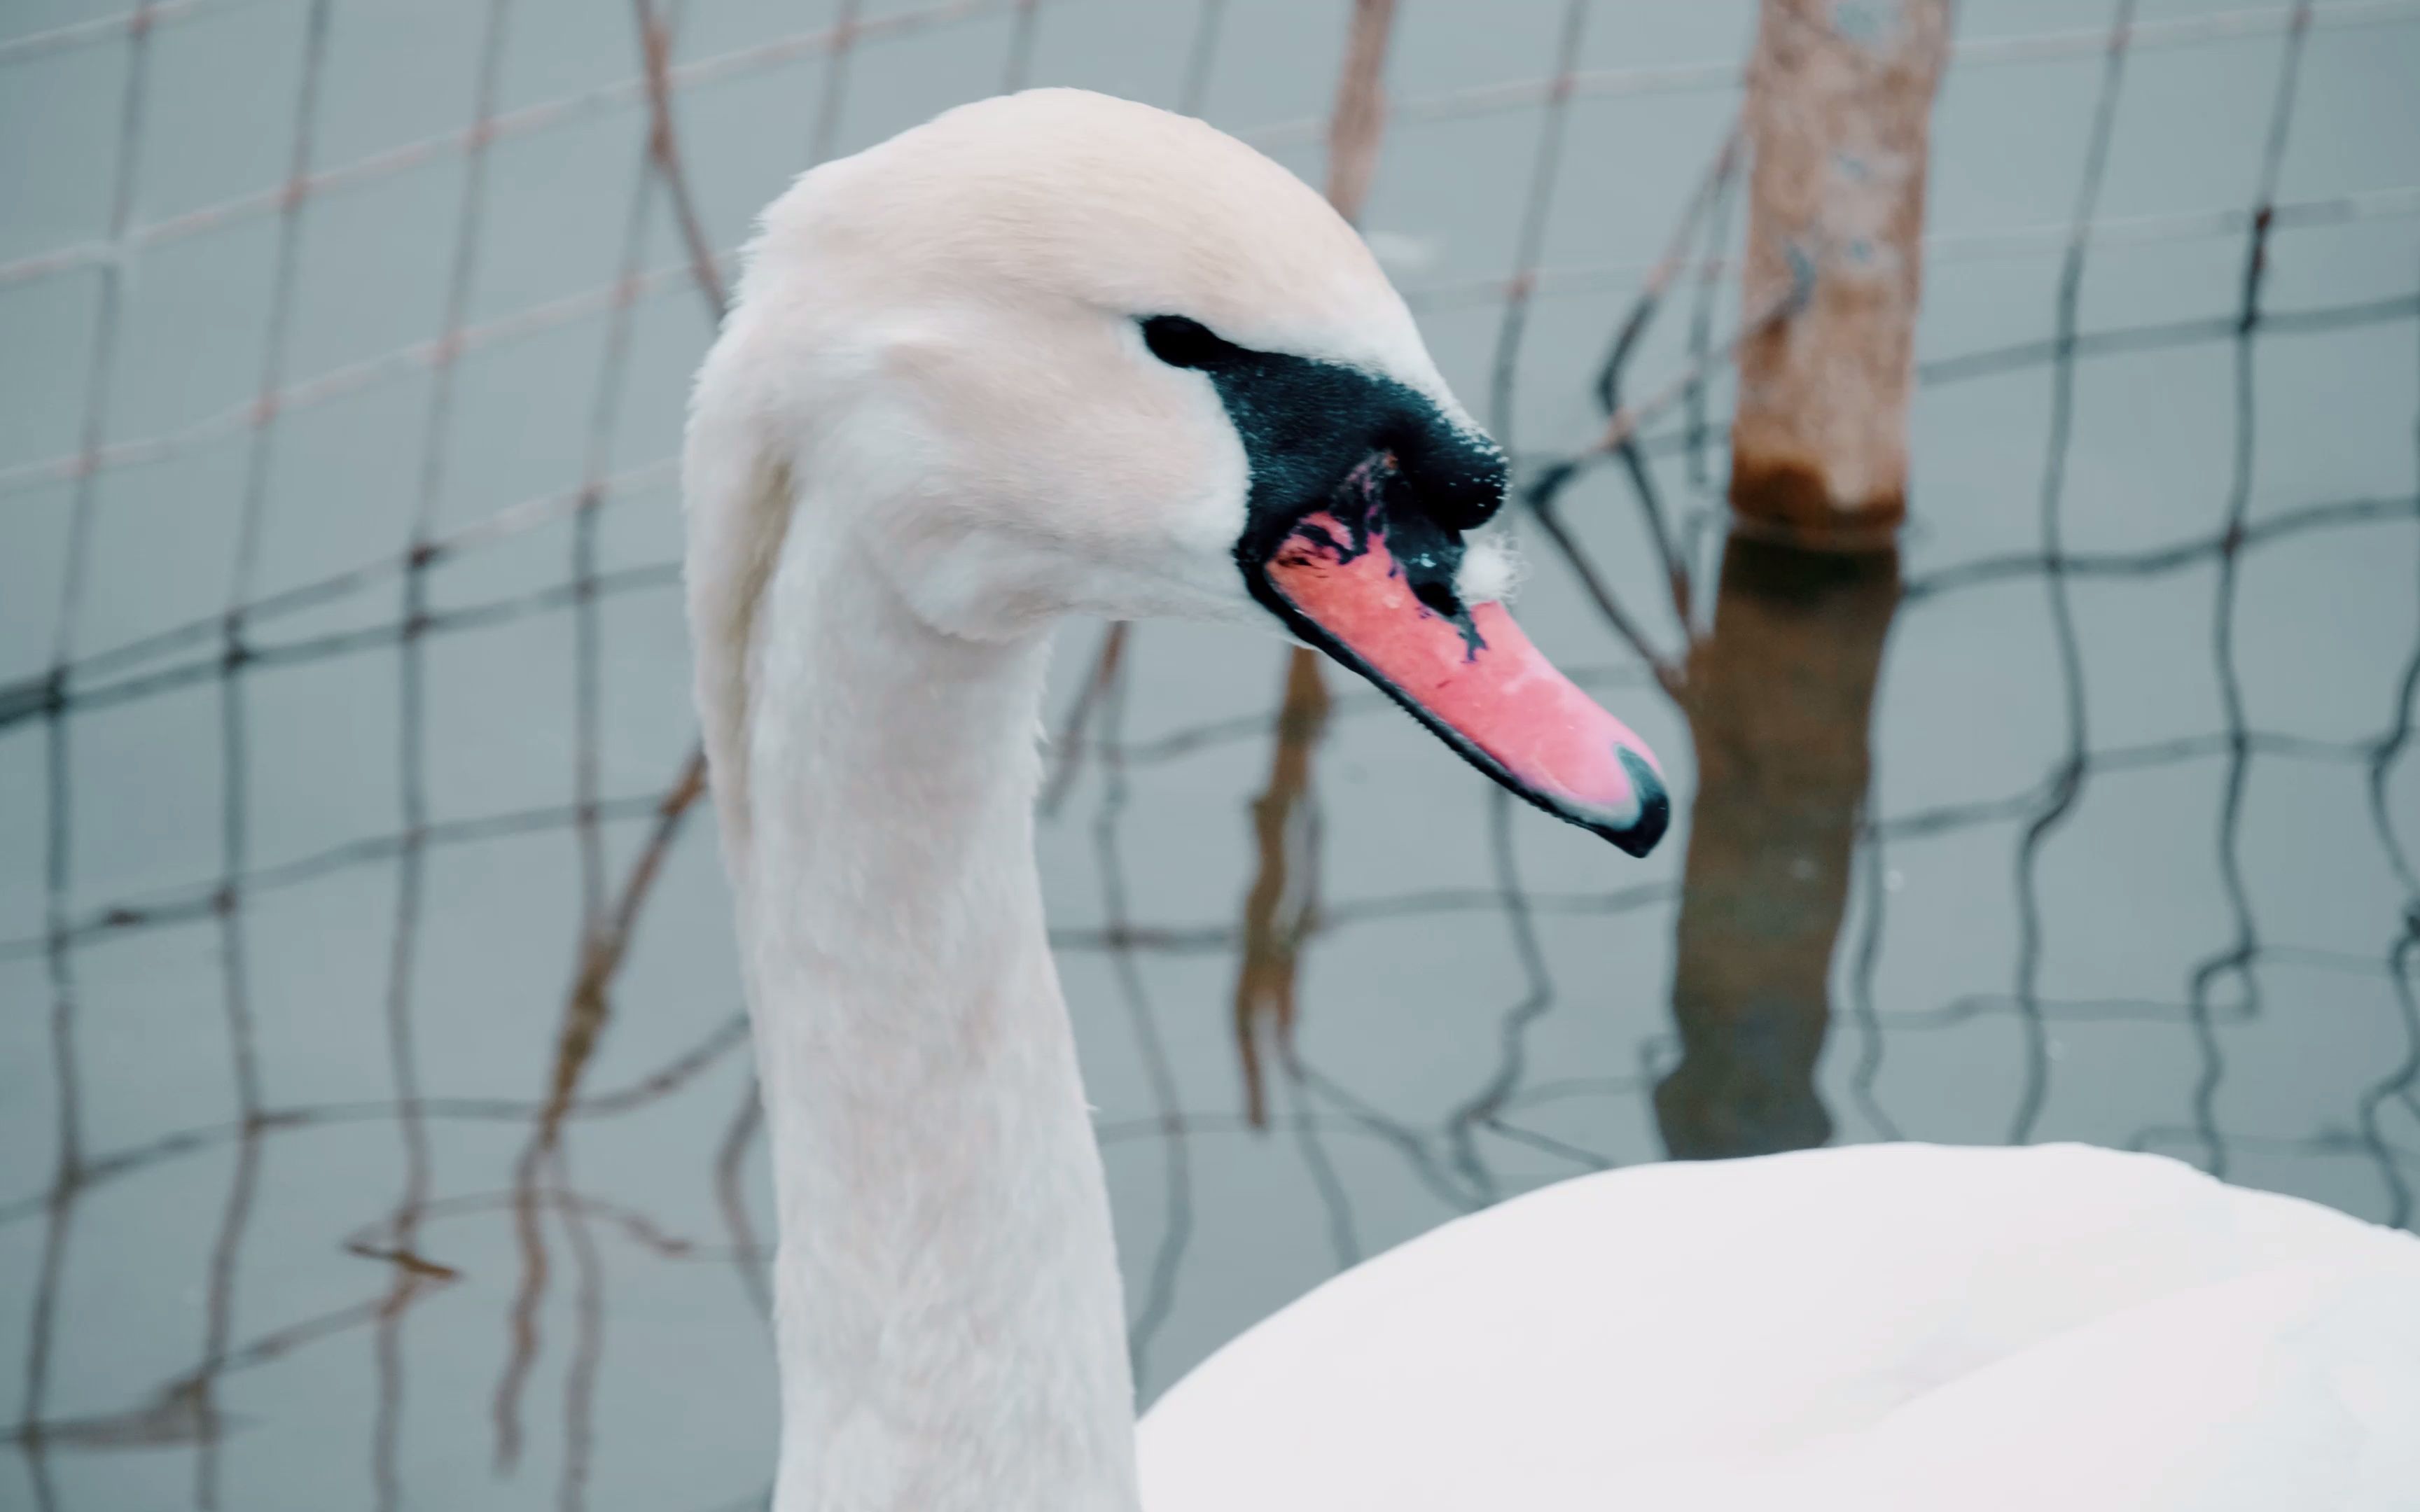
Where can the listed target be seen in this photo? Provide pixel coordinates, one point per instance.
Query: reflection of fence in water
(1753, 991)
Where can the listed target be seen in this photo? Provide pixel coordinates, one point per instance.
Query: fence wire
(1509, 1108)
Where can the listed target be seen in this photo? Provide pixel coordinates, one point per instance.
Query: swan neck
(950, 1328)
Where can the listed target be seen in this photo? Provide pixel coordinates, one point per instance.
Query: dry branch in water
(588, 1006)
(1280, 903)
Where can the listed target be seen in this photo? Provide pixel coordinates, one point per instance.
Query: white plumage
(1879, 1327)
(930, 430)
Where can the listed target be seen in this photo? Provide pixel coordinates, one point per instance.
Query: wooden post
(1779, 695)
(1840, 97)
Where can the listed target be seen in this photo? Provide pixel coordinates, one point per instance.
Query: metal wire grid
(1316, 1106)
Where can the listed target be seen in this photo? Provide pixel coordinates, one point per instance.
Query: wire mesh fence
(378, 1119)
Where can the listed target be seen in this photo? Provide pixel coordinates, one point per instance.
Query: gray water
(281, 1221)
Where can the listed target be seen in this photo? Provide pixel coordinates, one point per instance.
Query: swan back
(1889, 1326)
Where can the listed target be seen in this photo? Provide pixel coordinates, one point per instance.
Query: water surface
(339, 1171)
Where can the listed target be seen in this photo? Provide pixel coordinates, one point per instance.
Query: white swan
(1057, 353)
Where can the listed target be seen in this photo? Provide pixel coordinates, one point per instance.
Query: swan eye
(1183, 343)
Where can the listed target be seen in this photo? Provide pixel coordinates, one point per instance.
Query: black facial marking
(1439, 597)
(1306, 425)
(1382, 460)
(1376, 500)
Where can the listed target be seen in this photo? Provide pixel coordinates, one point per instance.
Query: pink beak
(1472, 678)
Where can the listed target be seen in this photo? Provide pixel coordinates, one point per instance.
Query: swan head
(1057, 352)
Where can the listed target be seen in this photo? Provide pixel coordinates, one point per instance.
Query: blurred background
(376, 1121)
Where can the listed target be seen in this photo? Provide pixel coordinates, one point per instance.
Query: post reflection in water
(1780, 697)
